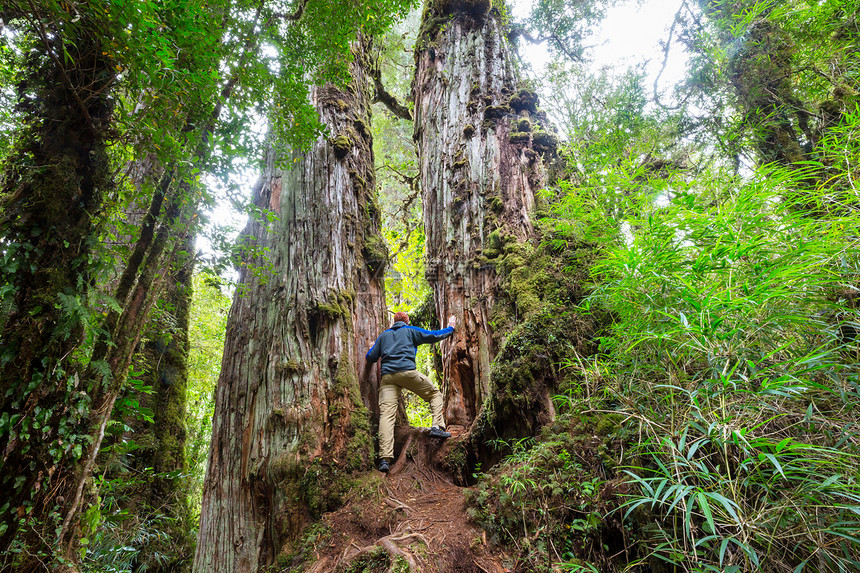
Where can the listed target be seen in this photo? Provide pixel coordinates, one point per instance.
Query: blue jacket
(397, 345)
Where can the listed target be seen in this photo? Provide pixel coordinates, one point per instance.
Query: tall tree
(478, 138)
(788, 68)
(188, 73)
(293, 404)
(51, 198)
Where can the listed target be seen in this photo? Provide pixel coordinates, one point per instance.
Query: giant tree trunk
(479, 170)
(293, 404)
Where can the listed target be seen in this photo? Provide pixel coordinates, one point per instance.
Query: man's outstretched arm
(421, 336)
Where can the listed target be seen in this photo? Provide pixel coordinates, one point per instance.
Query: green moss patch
(519, 137)
(341, 145)
(432, 23)
(497, 112)
(375, 253)
(524, 100)
(541, 283)
(315, 536)
(559, 489)
(477, 9)
(337, 305)
(545, 142)
(362, 129)
(376, 561)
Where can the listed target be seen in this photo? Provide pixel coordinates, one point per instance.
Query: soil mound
(412, 519)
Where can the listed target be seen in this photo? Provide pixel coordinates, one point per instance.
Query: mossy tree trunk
(65, 351)
(479, 139)
(50, 203)
(761, 75)
(162, 497)
(294, 403)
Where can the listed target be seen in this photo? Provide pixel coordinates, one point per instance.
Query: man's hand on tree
(452, 321)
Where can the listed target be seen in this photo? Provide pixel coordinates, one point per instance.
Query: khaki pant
(389, 396)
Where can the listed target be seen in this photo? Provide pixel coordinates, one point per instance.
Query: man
(396, 349)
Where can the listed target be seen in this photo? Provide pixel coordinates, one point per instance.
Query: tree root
(395, 504)
(389, 543)
(401, 459)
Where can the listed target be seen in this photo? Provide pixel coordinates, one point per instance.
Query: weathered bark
(294, 402)
(477, 136)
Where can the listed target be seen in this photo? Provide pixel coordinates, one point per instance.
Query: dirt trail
(413, 519)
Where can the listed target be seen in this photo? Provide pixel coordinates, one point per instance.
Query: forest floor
(412, 519)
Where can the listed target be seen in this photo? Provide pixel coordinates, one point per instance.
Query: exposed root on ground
(389, 543)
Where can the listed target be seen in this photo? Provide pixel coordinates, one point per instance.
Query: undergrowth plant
(731, 357)
(728, 359)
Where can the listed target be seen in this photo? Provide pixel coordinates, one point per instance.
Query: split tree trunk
(479, 171)
(294, 403)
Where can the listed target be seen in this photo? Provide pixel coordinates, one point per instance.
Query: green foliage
(176, 84)
(562, 25)
(123, 543)
(727, 358)
(314, 536)
(208, 324)
(405, 286)
(728, 371)
(762, 63)
(373, 561)
(725, 354)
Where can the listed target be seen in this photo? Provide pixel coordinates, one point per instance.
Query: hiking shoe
(437, 432)
(383, 466)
